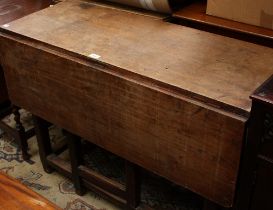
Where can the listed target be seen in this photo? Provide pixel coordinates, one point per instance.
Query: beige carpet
(157, 193)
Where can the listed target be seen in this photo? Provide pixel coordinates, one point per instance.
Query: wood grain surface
(201, 64)
(188, 142)
(11, 10)
(16, 196)
(171, 99)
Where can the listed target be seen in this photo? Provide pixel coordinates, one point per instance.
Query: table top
(215, 69)
(16, 196)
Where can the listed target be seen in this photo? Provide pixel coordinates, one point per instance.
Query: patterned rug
(157, 193)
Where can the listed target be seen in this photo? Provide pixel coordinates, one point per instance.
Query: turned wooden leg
(21, 137)
(43, 139)
(133, 184)
(74, 145)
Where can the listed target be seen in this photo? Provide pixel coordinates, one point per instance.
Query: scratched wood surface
(189, 143)
(171, 99)
(210, 66)
(11, 10)
(16, 196)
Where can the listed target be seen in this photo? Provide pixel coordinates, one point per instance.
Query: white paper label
(95, 56)
(5, 25)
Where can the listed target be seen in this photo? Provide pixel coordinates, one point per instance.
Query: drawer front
(188, 143)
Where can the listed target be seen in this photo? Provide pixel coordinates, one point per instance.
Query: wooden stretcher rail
(107, 183)
(60, 165)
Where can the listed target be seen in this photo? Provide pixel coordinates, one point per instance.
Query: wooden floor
(15, 196)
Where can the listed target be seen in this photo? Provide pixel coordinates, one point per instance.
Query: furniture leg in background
(19, 133)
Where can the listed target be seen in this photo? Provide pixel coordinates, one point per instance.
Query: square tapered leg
(43, 139)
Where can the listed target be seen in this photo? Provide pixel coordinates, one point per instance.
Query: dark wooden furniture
(19, 133)
(255, 187)
(16, 196)
(194, 15)
(127, 196)
(11, 10)
(256, 182)
(171, 99)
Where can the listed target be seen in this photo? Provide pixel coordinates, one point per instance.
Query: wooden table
(16, 196)
(168, 98)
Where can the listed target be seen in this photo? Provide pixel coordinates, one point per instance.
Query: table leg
(133, 184)
(20, 137)
(74, 145)
(43, 139)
